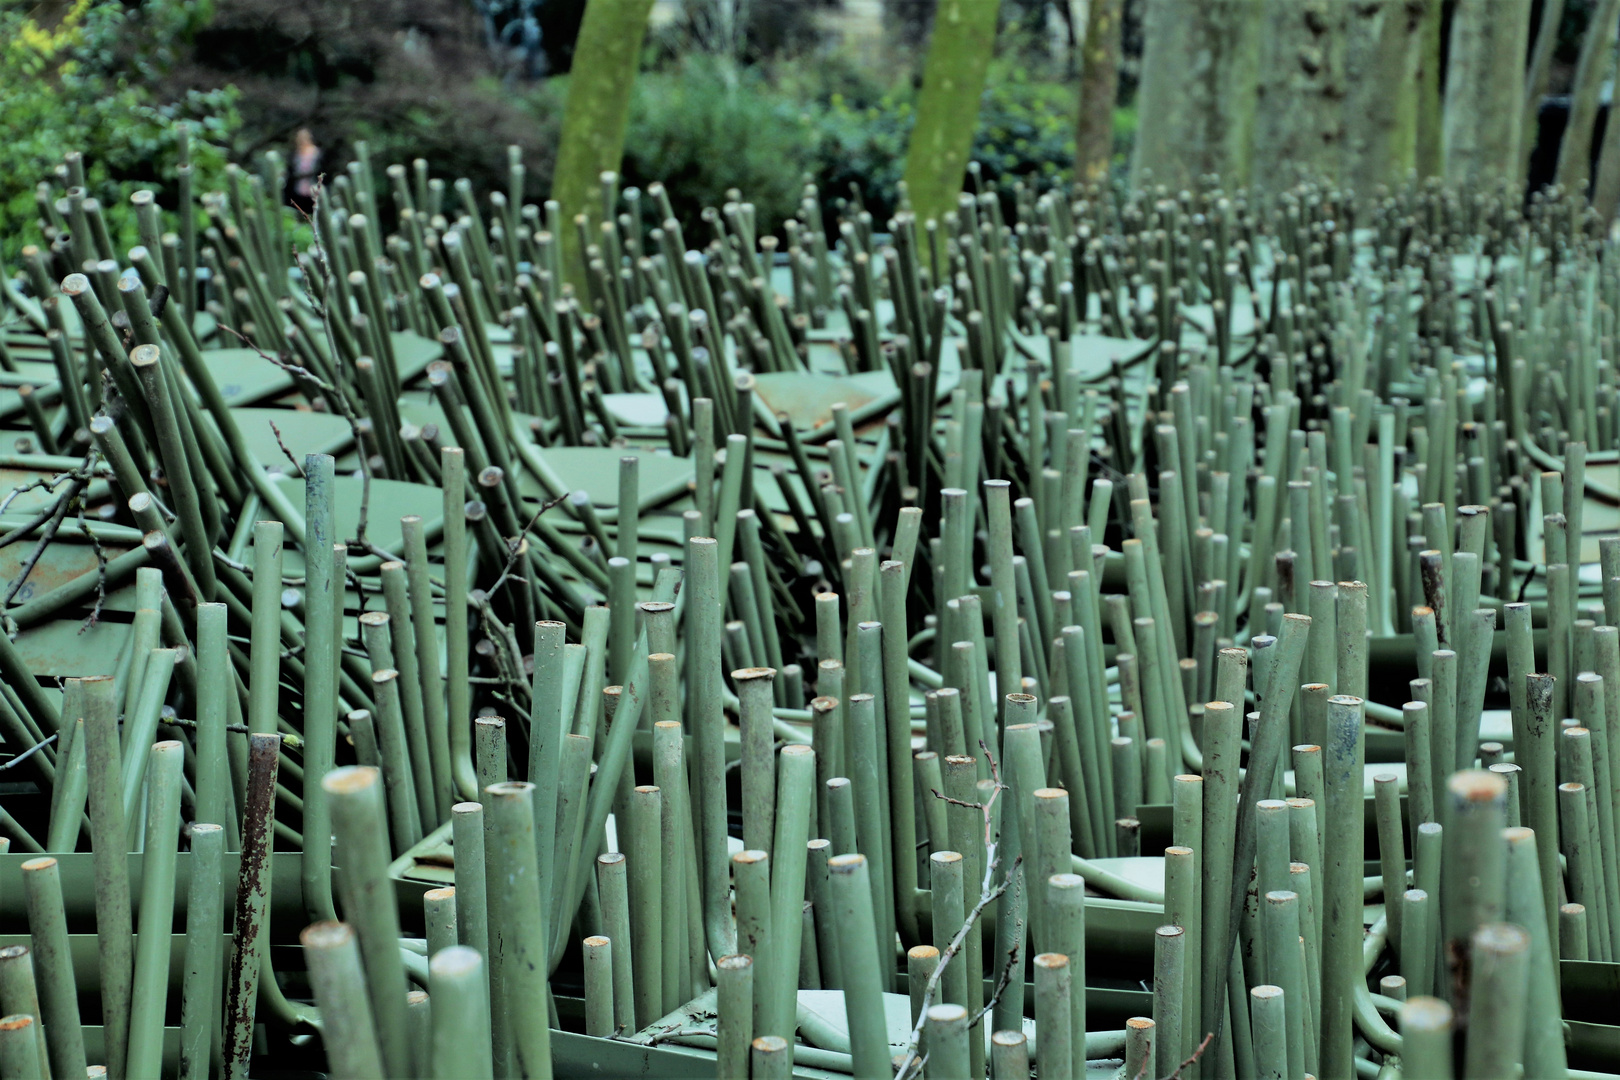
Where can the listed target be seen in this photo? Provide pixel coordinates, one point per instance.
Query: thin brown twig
(995, 792)
(292, 742)
(335, 395)
(514, 544)
(58, 512)
(101, 573)
(296, 370)
(22, 531)
(510, 657)
(956, 943)
(1001, 985)
(297, 471)
(39, 548)
(365, 483)
(290, 580)
(1197, 1053)
(48, 483)
(987, 895)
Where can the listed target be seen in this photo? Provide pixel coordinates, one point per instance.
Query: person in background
(306, 167)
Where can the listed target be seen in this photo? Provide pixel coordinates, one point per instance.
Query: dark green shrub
(1026, 127)
(704, 127)
(1025, 132)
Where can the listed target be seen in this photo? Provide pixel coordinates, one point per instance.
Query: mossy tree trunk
(1099, 88)
(1597, 51)
(1537, 78)
(1606, 191)
(1299, 114)
(607, 55)
(1196, 104)
(1485, 91)
(959, 51)
(1383, 46)
(1430, 79)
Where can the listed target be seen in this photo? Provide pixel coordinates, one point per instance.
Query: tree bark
(606, 58)
(1200, 64)
(1597, 49)
(1099, 88)
(1429, 78)
(1299, 113)
(1537, 78)
(1485, 91)
(1606, 191)
(1383, 54)
(959, 52)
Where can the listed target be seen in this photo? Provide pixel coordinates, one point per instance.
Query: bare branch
(1196, 1054)
(514, 545)
(295, 370)
(988, 894)
(1001, 984)
(298, 472)
(64, 502)
(101, 573)
(956, 802)
(507, 654)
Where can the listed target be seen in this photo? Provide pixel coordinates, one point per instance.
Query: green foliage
(86, 84)
(1025, 132)
(1026, 128)
(865, 146)
(706, 126)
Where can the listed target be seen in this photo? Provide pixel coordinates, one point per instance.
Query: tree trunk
(1099, 87)
(1196, 104)
(959, 54)
(1597, 49)
(1606, 191)
(1606, 196)
(1383, 46)
(1299, 114)
(1430, 79)
(1536, 79)
(1485, 91)
(606, 57)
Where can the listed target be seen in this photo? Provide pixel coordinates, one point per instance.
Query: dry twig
(987, 895)
(1197, 1053)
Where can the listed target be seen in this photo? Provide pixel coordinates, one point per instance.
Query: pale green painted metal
(340, 989)
(1173, 595)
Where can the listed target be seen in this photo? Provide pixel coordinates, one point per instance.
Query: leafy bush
(1025, 132)
(704, 127)
(1026, 127)
(86, 83)
(865, 147)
